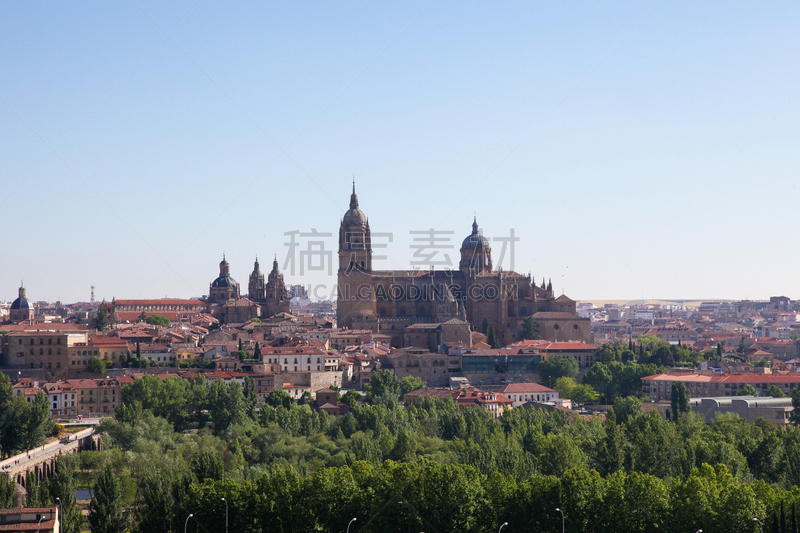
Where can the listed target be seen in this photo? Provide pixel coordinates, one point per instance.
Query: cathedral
(400, 303)
(263, 299)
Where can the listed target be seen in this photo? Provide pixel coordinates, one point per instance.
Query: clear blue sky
(641, 149)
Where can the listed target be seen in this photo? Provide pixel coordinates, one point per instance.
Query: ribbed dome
(22, 303)
(224, 281)
(354, 217)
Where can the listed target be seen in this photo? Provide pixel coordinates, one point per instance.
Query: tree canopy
(557, 367)
(158, 320)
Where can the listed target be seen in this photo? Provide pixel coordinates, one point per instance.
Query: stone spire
(353, 197)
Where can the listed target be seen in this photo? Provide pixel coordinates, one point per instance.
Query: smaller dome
(224, 281)
(22, 303)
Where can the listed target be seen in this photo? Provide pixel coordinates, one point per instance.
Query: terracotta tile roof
(553, 316)
(161, 302)
(524, 388)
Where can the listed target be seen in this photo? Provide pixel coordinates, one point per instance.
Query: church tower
(21, 309)
(355, 245)
(356, 297)
(476, 254)
(224, 288)
(255, 289)
(275, 289)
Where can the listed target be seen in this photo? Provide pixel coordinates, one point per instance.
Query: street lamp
(186, 524)
(699, 531)
(760, 525)
(226, 514)
(504, 524)
(348, 525)
(60, 514)
(562, 518)
(39, 526)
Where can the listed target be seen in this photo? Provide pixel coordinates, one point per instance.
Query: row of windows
(41, 341)
(286, 360)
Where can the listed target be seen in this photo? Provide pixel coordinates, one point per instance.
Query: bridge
(42, 460)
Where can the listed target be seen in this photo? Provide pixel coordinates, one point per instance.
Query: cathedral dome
(354, 217)
(475, 239)
(224, 282)
(22, 303)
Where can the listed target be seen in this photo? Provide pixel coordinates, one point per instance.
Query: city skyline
(641, 151)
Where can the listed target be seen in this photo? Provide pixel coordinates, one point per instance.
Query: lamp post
(562, 518)
(348, 525)
(186, 524)
(60, 514)
(39, 526)
(226, 514)
(504, 524)
(760, 525)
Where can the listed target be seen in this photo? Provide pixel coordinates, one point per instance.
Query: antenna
(91, 300)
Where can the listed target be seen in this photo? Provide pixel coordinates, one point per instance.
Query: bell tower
(355, 294)
(355, 245)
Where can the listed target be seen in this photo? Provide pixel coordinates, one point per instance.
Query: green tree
(564, 386)
(741, 349)
(350, 398)
(257, 352)
(7, 488)
(207, 465)
(63, 486)
(106, 512)
(101, 318)
(627, 408)
(530, 329)
(97, 365)
(226, 404)
(485, 326)
(383, 388)
(491, 338)
(775, 392)
(278, 398)
(748, 390)
(679, 398)
(583, 394)
(158, 320)
(555, 367)
(411, 383)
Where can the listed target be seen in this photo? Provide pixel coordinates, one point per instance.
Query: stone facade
(391, 301)
(265, 299)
